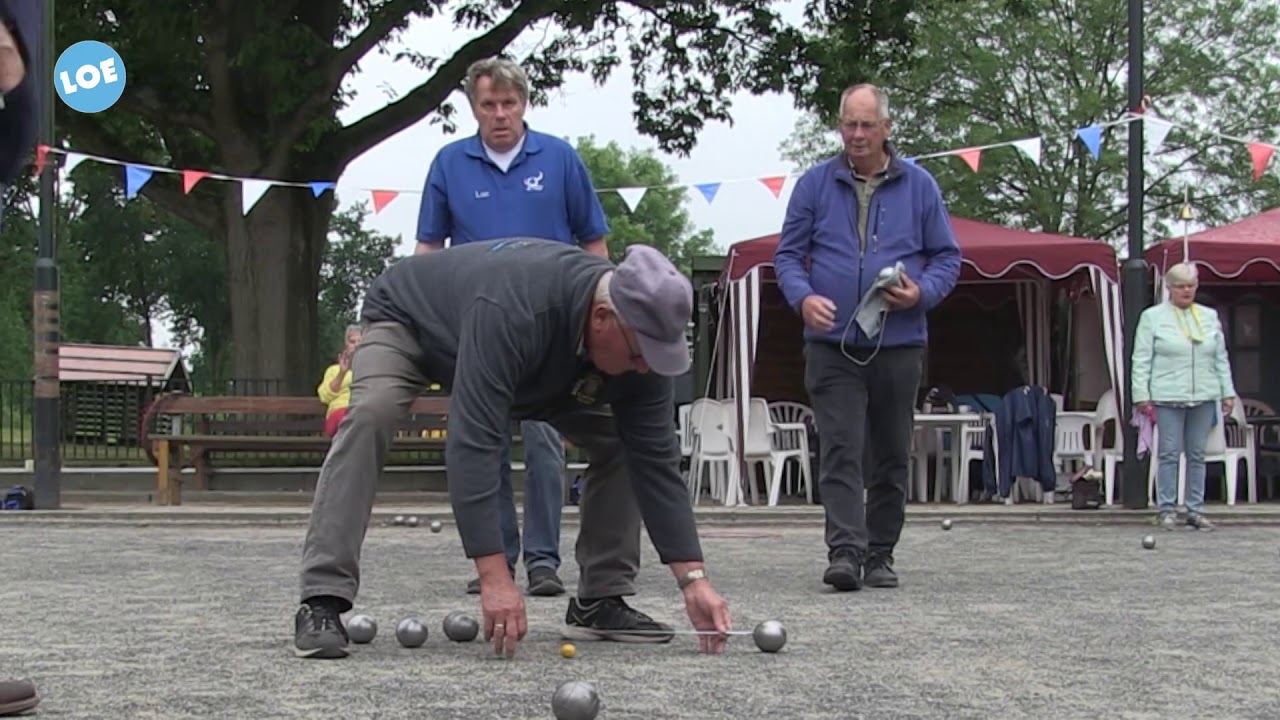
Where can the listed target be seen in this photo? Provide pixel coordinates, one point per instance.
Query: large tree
(660, 218)
(989, 71)
(253, 89)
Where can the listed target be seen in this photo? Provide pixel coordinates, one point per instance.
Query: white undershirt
(503, 159)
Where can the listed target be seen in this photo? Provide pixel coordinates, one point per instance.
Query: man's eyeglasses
(863, 125)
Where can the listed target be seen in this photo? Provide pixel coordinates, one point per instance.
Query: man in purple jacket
(850, 218)
(20, 91)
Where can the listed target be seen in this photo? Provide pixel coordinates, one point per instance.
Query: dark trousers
(864, 415)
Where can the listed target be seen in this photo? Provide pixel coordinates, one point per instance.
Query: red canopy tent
(1247, 250)
(988, 252)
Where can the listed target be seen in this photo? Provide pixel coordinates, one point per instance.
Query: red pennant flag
(381, 198)
(190, 178)
(775, 184)
(1261, 155)
(42, 157)
(972, 157)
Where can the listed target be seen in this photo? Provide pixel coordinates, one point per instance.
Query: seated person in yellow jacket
(335, 388)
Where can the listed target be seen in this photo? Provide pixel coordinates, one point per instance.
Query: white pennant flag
(1156, 131)
(1030, 147)
(251, 191)
(70, 161)
(632, 196)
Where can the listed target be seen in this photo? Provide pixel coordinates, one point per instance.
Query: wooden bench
(181, 431)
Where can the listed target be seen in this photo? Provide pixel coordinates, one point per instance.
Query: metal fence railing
(102, 425)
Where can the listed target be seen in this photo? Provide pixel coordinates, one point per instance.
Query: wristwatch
(690, 577)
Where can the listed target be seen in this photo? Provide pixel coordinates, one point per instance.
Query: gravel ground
(1057, 621)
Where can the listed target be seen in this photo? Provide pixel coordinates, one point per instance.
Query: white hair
(602, 296)
(1181, 274)
(882, 98)
(500, 71)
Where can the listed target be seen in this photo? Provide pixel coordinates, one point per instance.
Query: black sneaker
(318, 633)
(844, 573)
(473, 585)
(879, 573)
(612, 619)
(544, 582)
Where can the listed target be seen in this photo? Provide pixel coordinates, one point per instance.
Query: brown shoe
(17, 696)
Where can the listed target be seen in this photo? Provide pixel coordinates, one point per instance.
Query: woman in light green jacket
(1181, 375)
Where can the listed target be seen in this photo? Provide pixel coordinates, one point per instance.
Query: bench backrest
(281, 415)
(179, 404)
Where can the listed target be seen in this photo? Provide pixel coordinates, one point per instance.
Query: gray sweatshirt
(501, 325)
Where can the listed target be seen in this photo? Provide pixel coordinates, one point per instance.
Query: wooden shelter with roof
(106, 389)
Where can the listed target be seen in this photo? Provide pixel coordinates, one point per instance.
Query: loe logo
(89, 76)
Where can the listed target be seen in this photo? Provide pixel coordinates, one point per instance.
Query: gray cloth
(385, 380)
(500, 325)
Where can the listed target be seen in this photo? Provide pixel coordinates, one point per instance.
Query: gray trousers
(864, 416)
(385, 381)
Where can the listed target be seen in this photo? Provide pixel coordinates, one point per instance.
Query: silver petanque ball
(946, 524)
(460, 627)
(436, 526)
(412, 521)
(770, 636)
(398, 521)
(411, 632)
(361, 629)
(575, 700)
(1149, 542)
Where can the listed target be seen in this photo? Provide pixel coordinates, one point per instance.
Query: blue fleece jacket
(820, 251)
(19, 119)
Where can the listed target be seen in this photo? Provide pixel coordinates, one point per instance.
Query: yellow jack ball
(568, 650)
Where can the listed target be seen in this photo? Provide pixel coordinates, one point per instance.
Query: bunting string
(137, 175)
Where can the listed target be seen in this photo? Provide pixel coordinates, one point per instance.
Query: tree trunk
(273, 269)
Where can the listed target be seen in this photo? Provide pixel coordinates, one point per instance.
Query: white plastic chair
(772, 446)
(683, 430)
(1069, 445)
(786, 412)
(973, 438)
(1216, 450)
(1109, 456)
(713, 445)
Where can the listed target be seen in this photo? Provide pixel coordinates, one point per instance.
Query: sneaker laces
(324, 617)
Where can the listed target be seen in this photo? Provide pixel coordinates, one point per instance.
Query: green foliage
(987, 72)
(661, 219)
(353, 259)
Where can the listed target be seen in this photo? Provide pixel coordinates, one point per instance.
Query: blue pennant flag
(318, 188)
(134, 178)
(1092, 138)
(708, 190)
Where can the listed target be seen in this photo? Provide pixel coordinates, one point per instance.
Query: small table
(955, 423)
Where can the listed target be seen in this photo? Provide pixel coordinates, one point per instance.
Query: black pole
(45, 322)
(1134, 278)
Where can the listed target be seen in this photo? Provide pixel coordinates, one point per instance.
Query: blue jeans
(1183, 430)
(543, 497)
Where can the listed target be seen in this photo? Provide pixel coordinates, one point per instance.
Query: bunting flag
(382, 198)
(972, 157)
(1156, 132)
(1030, 147)
(632, 196)
(251, 191)
(190, 178)
(775, 184)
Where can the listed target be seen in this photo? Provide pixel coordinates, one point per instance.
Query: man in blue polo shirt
(510, 181)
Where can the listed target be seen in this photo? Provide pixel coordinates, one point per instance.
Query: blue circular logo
(89, 76)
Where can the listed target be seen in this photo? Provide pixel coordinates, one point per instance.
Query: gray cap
(655, 301)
